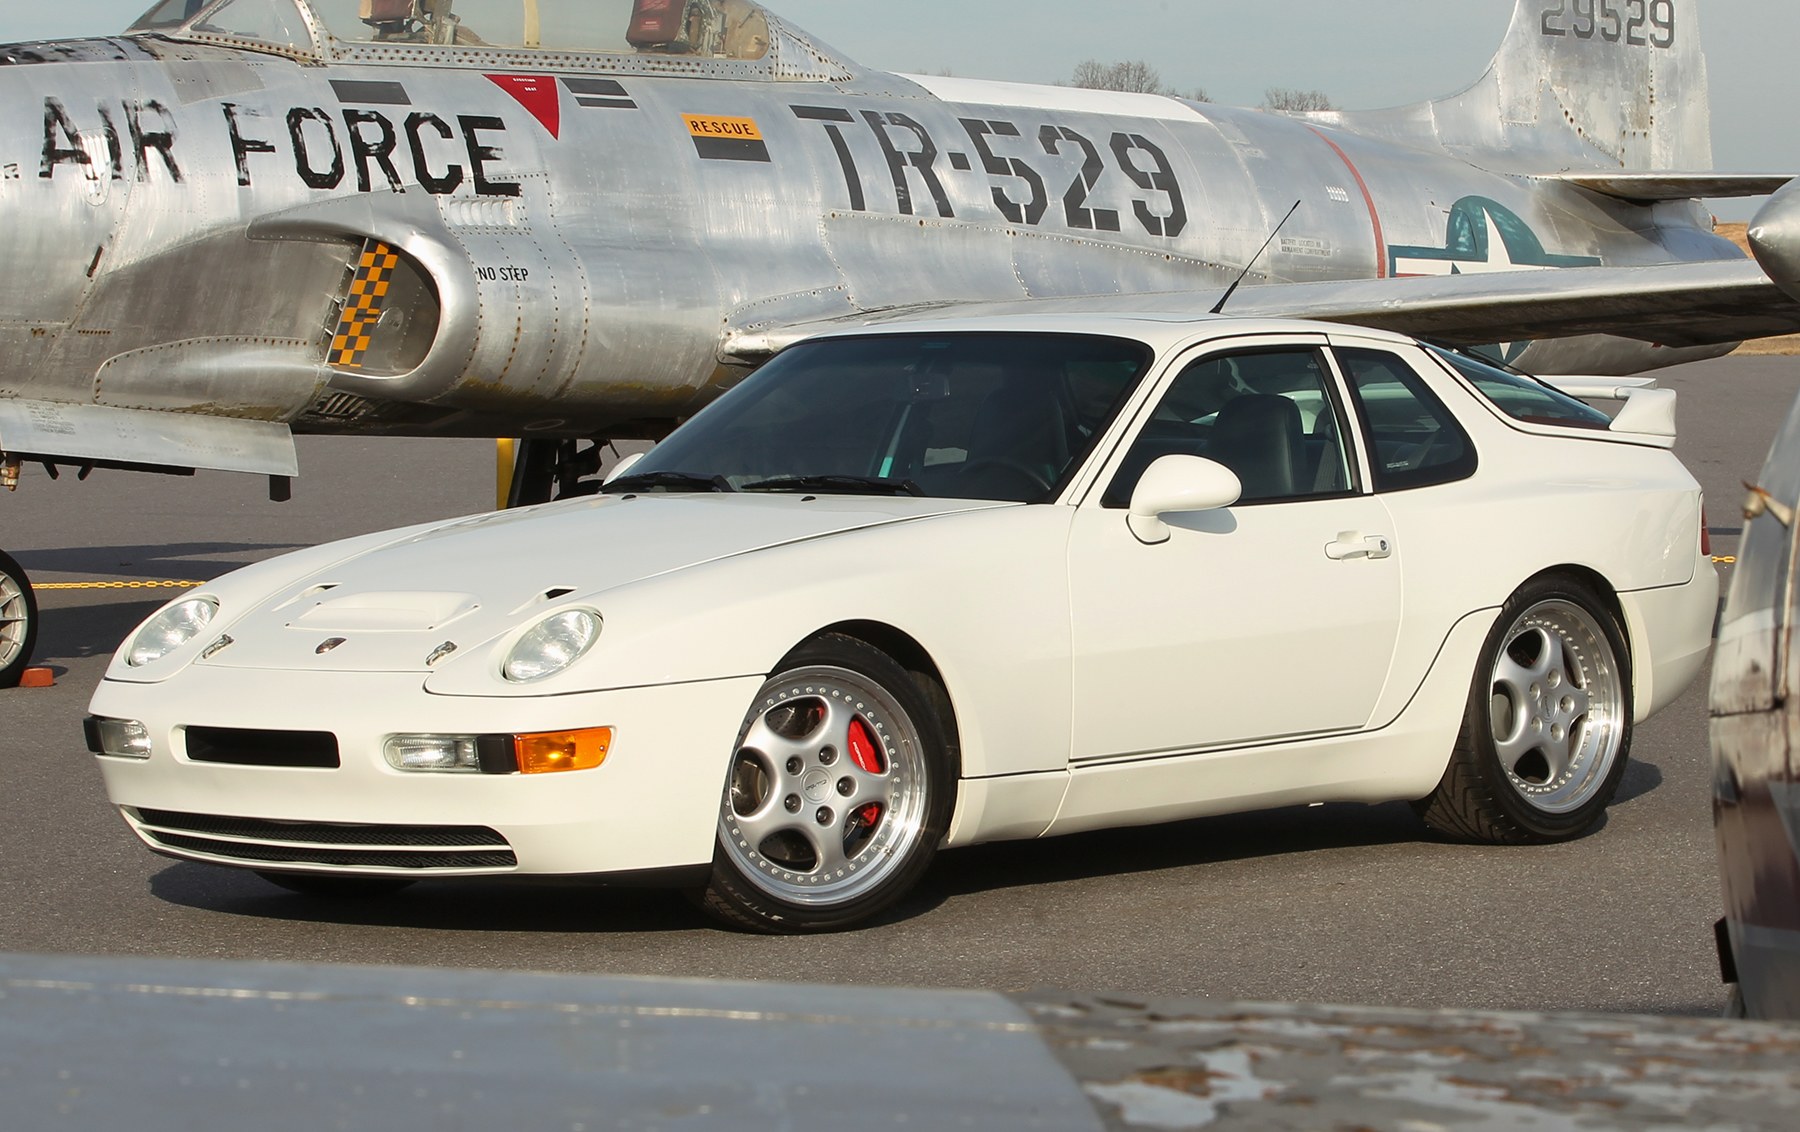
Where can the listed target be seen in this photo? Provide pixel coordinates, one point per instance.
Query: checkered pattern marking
(363, 306)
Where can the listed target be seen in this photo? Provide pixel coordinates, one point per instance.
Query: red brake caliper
(867, 756)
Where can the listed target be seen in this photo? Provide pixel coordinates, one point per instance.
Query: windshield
(169, 14)
(728, 29)
(1524, 398)
(952, 416)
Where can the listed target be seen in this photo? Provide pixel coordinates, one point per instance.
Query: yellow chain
(118, 585)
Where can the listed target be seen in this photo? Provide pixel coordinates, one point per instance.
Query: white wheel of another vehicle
(1547, 731)
(18, 622)
(837, 794)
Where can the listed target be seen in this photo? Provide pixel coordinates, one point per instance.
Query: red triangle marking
(537, 94)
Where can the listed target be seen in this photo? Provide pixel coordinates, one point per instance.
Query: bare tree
(1294, 101)
(1133, 76)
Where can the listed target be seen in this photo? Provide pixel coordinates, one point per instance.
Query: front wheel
(838, 792)
(1547, 731)
(18, 622)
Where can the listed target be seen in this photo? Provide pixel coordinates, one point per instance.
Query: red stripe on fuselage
(1381, 249)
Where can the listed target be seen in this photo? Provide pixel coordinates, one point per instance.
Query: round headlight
(552, 645)
(170, 629)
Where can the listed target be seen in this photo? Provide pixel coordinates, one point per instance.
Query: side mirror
(1176, 484)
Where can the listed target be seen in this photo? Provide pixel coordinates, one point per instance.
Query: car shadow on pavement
(463, 905)
(1641, 778)
(1204, 841)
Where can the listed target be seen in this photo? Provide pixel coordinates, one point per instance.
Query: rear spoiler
(1648, 414)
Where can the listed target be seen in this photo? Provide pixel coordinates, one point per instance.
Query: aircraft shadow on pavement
(181, 561)
(75, 632)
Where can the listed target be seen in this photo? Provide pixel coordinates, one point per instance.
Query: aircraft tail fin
(1577, 84)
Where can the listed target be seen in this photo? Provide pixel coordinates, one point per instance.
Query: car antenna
(1245, 274)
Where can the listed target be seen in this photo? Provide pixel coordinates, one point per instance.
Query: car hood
(468, 581)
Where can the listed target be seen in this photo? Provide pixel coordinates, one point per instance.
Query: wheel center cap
(817, 785)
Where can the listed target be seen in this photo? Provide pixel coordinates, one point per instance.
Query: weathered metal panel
(1172, 1065)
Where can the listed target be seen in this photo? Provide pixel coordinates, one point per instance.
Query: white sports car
(942, 583)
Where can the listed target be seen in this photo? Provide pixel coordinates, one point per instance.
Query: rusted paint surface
(1169, 1065)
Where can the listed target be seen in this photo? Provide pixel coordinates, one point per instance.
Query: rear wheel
(838, 792)
(18, 622)
(1547, 731)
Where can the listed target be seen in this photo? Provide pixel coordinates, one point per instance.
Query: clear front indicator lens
(433, 752)
(171, 629)
(119, 738)
(552, 645)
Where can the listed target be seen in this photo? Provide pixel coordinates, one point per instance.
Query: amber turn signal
(554, 752)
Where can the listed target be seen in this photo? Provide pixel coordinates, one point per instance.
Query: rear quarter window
(1414, 441)
(1525, 399)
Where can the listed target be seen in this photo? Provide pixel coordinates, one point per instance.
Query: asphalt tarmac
(1338, 904)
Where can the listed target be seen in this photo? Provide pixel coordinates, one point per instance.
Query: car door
(1269, 620)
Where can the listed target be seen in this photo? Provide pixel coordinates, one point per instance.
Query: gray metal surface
(171, 1047)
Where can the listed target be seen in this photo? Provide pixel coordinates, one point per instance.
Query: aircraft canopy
(716, 29)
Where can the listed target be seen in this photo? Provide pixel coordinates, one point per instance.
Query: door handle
(1351, 545)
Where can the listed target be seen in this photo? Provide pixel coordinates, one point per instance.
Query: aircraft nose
(1775, 237)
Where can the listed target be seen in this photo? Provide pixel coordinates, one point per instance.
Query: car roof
(1160, 329)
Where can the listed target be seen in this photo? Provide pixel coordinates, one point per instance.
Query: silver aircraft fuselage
(577, 239)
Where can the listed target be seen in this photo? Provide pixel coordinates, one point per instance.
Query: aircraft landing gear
(18, 622)
(557, 469)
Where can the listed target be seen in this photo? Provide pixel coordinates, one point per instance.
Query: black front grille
(308, 750)
(258, 841)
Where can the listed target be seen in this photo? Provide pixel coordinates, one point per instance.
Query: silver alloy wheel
(827, 790)
(1556, 707)
(15, 619)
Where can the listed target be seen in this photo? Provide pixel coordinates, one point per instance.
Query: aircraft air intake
(388, 314)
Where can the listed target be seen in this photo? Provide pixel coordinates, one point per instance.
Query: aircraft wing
(1647, 188)
(1688, 304)
(103, 436)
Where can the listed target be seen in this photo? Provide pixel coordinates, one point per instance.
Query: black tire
(336, 887)
(843, 731)
(18, 622)
(1555, 677)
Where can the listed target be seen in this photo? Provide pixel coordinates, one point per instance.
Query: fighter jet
(575, 221)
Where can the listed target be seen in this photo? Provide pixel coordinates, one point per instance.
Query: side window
(1268, 415)
(1413, 440)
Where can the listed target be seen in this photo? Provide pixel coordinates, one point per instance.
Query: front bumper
(653, 805)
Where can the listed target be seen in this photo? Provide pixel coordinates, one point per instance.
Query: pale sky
(1364, 54)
